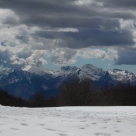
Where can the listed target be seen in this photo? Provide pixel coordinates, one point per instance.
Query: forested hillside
(77, 93)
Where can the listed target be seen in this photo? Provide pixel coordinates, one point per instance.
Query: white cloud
(127, 25)
(113, 53)
(8, 18)
(61, 29)
(64, 56)
(93, 53)
(26, 39)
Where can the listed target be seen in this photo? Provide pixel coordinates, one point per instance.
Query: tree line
(77, 93)
(86, 93)
(38, 100)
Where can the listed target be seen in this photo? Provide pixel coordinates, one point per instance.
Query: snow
(68, 121)
(67, 70)
(121, 75)
(92, 72)
(87, 71)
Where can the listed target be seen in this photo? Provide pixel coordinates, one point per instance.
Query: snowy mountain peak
(92, 68)
(6, 71)
(41, 71)
(88, 65)
(69, 68)
(92, 72)
(24, 84)
(121, 75)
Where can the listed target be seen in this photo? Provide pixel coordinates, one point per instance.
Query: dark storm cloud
(126, 56)
(57, 13)
(61, 13)
(95, 37)
(23, 38)
(124, 9)
(11, 21)
(95, 25)
(89, 37)
(121, 3)
(77, 22)
(43, 12)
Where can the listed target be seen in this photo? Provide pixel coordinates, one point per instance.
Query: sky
(54, 33)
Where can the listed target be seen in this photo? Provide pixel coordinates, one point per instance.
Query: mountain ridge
(25, 83)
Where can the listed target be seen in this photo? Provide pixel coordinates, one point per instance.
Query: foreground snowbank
(68, 121)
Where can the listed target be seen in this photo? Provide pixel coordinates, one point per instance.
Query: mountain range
(25, 84)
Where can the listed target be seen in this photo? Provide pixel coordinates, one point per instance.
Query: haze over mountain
(25, 84)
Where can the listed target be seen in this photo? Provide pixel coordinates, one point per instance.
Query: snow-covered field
(68, 121)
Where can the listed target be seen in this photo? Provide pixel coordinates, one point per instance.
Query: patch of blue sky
(51, 65)
(104, 64)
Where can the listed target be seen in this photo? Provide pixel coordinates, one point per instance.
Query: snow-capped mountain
(91, 72)
(114, 76)
(87, 71)
(25, 84)
(66, 71)
(122, 75)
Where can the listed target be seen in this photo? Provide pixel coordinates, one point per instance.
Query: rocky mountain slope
(25, 84)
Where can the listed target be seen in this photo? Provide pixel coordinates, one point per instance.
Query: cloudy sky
(53, 33)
